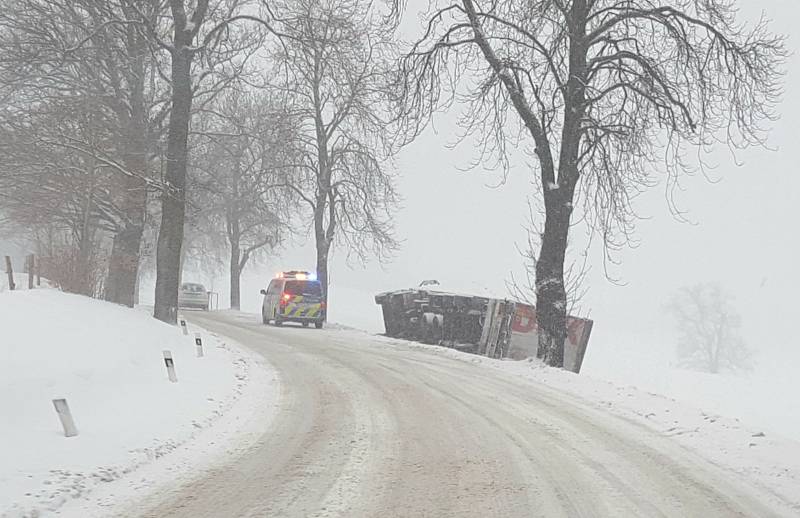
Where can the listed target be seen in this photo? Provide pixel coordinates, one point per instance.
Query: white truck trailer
(497, 328)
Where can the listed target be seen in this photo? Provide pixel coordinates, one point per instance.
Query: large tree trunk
(123, 267)
(235, 266)
(551, 295)
(236, 275)
(123, 270)
(137, 287)
(232, 215)
(324, 195)
(323, 248)
(324, 238)
(78, 279)
(170, 235)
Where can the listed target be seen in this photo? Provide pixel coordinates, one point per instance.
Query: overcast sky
(457, 229)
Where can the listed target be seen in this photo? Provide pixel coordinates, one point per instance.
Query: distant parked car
(193, 295)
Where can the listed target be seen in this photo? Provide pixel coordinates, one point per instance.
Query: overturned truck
(497, 328)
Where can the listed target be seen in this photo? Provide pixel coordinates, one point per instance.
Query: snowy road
(368, 430)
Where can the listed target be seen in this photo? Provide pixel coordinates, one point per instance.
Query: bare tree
(237, 175)
(708, 329)
(46, 187)
(170, 236)
(202, 34)
(333, 65)
(82, 52)
(603, 93)
(138, 106)
(109, 55)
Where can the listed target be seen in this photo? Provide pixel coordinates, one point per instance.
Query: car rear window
(303, 288)
(193, 288)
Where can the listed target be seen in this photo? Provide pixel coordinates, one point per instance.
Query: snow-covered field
(107, 361)
(766, 397)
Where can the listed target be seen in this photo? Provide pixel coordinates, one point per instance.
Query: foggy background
(82, 208)
(463, 228)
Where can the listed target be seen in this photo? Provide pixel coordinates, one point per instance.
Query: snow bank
(767, 397)
(107, 361)
(763, 459)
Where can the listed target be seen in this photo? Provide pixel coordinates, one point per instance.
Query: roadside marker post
(198, 341)
(170, 366)
(183, 326)
(65, 416)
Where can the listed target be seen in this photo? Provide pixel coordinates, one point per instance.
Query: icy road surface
(365, 430)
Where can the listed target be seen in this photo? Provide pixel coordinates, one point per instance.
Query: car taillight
(323, 305)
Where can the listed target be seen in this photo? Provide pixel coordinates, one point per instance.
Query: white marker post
(62, 409)
(170, 366)
(183, 326)
(198, 341)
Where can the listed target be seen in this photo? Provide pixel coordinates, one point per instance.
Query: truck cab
(294, 296)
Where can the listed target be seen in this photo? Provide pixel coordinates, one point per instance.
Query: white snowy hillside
(107, 362)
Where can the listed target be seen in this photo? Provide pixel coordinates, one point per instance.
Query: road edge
(249, 415)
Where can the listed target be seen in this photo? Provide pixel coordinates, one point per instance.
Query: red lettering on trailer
(524, 319)
(574, 330)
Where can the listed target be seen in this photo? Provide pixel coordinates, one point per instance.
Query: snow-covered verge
(766, 395)
(764, 460)
(107, 361)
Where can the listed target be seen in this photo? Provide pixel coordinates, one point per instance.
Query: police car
(294, 296)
